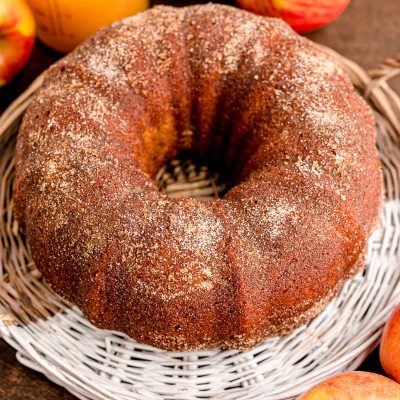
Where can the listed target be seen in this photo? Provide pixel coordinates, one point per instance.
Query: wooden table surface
(368, 32)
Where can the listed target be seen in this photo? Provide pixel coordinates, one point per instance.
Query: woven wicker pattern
(54, 338)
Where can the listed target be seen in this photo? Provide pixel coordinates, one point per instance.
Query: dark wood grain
(367, 32)
(20, 383)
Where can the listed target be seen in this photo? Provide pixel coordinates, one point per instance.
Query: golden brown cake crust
(180, 274)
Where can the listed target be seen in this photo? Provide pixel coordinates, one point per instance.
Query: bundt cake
(275, 112)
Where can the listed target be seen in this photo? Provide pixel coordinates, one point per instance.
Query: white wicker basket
(54, 338)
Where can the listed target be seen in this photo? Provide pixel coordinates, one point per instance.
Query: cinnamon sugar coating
(243, 90)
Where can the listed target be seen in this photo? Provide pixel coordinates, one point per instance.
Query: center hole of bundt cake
(185, 176)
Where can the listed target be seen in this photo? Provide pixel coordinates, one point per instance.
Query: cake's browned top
(227, 85)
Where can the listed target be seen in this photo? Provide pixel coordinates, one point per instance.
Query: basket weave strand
(54, 338)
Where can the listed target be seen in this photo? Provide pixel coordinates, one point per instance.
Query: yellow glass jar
(63, 24)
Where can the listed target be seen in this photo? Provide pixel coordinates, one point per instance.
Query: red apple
(389, 351)
(354, 386)
(17, 35)
(301, 15)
